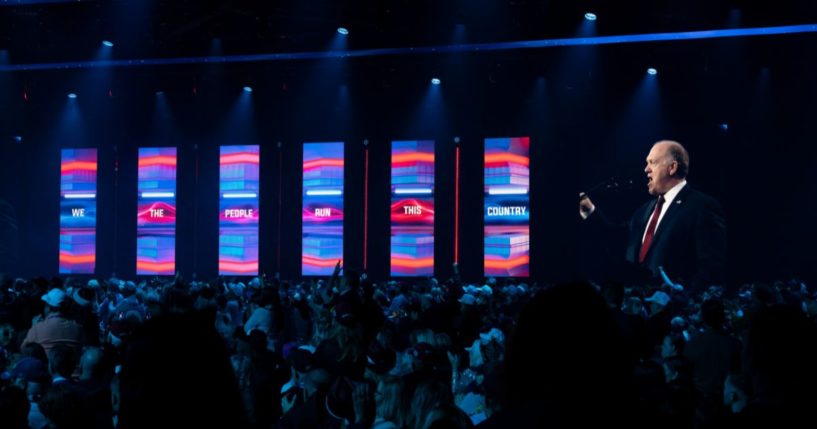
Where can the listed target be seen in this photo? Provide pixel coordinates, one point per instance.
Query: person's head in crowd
(32, 376)
(467, 302)
(14, 407)
(673, 345)
(713, 313)
(85, 298)
(659, 300)
(389, 400)
(422, 336)
(557, 355)
(763, 295)
(633, 306)
(62, 361)
(427, 395)
(122, 327)
(176, 370)
(127, 288)
(95, 365)
(447, 417)
(56, 301)
(65, 407)
(379, 360)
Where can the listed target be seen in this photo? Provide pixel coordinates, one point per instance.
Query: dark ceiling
(55, 31)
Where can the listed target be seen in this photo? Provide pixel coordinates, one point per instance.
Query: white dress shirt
(668, 198)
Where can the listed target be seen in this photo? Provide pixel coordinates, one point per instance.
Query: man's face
(660, 168)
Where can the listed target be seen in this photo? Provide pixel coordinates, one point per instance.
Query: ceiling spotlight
(160, 93)
(247, 89)
(107, 43)
(435, 81)
(590, 16)
(72, 95)
(343, 30)
(652, 71)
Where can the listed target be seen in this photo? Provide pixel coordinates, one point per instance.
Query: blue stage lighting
(426, 50)
(72, 95)
(160, 93)
(590, 16)
(652, 71)
(343, 30)
(247, 89)
(435, 81)
(107, 43)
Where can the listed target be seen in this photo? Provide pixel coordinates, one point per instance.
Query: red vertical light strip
(278, 233)
(365, 208)
(457, 205)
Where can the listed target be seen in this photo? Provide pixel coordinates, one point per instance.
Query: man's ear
(673, 168)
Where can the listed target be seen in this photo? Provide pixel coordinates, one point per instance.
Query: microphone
(611, 184)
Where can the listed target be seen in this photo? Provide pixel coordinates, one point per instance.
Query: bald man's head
(667, 165)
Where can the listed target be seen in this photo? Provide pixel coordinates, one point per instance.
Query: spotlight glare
(247, 89)
(343, 30)
(435, 81)
(72, 95)
(590, 16)
(107, 43)
(652, 71)
(160, 93)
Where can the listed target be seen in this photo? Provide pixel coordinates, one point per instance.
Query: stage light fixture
(247, 89)
(590, 16)
(343, 30)
(107, 43)
(72, 95)
(652, 71)
(435, 81)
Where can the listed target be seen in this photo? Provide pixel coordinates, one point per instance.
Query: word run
(238, 213)
(507, 211)
(413, 210)
(323, 212)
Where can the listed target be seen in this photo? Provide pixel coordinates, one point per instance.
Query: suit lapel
(669, 216)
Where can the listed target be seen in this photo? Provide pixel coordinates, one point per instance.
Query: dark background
(744, 108)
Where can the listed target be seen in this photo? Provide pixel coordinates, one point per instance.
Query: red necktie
(645, 246)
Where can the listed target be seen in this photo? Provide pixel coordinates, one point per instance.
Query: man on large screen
(681, 230)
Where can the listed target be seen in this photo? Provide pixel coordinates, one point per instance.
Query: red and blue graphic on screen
(78, 211)
(412, 208)
(507, 208)
(322, 213)
(238, 210)
(156, 211)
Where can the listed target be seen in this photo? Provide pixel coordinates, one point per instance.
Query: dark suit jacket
(689, 242)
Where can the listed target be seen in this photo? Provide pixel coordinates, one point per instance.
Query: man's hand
(586, 206)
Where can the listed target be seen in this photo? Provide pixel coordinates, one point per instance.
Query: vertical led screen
(156, 211)
(78, 211)
(507, 208)
(412, 208)
(238, 210)
(322, 213)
